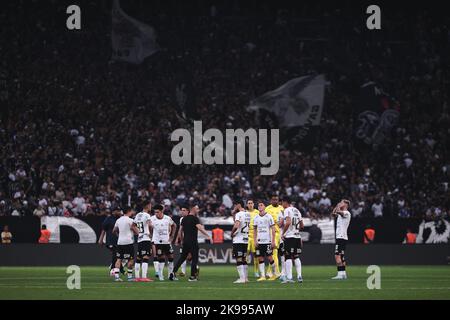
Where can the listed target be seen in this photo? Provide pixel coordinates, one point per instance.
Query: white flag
(298, 102)
(132, 40)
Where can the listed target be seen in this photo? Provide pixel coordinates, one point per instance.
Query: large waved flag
(132, 41)
(377, 113)
(298, 102)
(296, 107)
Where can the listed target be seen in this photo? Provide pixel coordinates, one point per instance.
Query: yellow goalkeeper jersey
(253, 214)
(274, 212)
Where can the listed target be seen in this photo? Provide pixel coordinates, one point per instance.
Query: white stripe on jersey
(241, 235)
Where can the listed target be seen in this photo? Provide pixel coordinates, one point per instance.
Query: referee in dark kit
(188, 236)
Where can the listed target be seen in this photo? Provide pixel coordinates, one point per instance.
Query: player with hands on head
(343, 217)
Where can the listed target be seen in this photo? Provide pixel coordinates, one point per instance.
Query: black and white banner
(434, 232)
(132, 41)
(86, 233)
(87, 230)
(296, 106)
(378, 113)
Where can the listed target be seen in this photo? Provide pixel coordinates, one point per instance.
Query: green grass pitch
(216, 282)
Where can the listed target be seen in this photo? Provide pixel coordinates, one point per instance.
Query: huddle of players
(262, 232)
(268, 232)
(154, 235)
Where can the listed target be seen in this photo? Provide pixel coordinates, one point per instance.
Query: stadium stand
(82, 135)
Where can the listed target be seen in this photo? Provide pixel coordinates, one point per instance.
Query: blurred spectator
(357, 210)
(6, 235)
(377, 209)
(39, 212)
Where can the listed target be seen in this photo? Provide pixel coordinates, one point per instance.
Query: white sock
(161, 266)
(137, 269)
(183, 267)
(245, 271)
(156, 266)
(144, 269)
(240, 271)
(283, 266)
(116, 273)
(170, 267)
(289, 269)
(298, 267)
(261, 269)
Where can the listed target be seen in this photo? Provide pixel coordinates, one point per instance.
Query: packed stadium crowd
(82, 135)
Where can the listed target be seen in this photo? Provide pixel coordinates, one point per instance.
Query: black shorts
(163, 249)
(292, 246)
(340, 247)
(239, 250)
(281, 249)
(125, 251)
(264, 250)
(144, 249)
(189, 248)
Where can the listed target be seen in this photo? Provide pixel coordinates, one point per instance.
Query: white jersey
(263, 225)
(241, 235)
(141, 221)
(161, 229)
(342, 224)
(294, 228)
(126, 235)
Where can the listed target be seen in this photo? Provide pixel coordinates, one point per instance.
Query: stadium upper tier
(82, 135)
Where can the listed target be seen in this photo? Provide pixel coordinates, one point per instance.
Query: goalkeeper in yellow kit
(251, 243)
(274, 209)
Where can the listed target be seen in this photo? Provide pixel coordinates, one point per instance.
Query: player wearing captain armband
(343, 218)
